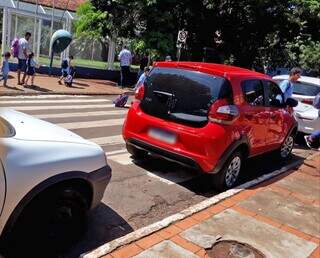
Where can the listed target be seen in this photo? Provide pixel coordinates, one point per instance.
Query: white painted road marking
(30, 108)
(45, 96)
(108, 140)
(82, 114)
(123, 159)
(55, 101)
(110, 153)
(92, 124)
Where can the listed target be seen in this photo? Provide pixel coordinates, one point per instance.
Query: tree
(92, 23)
(245, 33)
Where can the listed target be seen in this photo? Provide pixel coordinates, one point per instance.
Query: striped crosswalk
(62, 107)
(93, 118)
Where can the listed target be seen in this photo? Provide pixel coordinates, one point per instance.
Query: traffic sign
(182, 36)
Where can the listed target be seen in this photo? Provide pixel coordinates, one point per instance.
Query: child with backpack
(31, 69)
(67, 71)
(5, 69)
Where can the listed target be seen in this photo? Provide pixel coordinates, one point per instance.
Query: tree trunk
(104, 50)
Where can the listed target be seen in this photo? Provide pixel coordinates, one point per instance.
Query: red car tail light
(222, 112)
(139, 94)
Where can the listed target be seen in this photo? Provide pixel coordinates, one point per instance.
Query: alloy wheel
(233, 171)
(287, 147)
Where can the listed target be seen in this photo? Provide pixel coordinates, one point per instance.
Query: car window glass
(253, 92)
(274, 94)
(182, 95)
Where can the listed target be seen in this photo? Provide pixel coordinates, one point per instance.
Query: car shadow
(201, 184)
(104, 225)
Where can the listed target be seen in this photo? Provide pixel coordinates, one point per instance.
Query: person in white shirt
(23, 56)
(125, 58)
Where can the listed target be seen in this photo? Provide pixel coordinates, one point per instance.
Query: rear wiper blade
(157, 92)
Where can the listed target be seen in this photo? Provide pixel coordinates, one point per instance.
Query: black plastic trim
(227, 153)
(169, 155)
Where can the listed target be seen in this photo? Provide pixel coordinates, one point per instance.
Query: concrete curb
(145, 231)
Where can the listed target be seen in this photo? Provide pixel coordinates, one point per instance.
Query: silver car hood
(29, 128)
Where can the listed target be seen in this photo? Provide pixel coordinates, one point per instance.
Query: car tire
(286, 148)
(136, 153)
(228, 176)
(50, 224)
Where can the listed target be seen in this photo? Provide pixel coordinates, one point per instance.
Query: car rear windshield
(305, 89)
(182, 95)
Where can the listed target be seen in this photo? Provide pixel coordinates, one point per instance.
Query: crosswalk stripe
(91, 124)
(82, 114)
(30, 108)
(110, 153)
(108, 140)
(45, 96)
(56, 101)
(123, 159)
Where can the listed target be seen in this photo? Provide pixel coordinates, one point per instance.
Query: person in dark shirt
(143, 63)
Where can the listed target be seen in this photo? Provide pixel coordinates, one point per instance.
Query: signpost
(181, 41)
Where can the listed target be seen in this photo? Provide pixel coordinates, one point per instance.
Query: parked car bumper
(99, 180)
(195, 147)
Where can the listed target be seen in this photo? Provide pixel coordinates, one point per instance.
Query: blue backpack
(121, 100)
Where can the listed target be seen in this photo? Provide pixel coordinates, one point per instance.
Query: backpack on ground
(15, 47)
(64, 64)
(121, 100)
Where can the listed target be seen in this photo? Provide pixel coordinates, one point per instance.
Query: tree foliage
(245, 33)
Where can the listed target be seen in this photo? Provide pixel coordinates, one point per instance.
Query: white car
(305, 90)
(49, 178)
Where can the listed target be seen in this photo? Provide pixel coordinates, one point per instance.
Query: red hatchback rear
(209, 117)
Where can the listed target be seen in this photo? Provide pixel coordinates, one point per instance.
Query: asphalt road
(140, 193)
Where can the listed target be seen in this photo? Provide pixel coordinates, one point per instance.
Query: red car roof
(217, 69)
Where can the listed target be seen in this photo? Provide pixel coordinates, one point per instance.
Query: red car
(210, 117)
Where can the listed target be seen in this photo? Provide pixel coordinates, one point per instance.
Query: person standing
(143, 63)
(5, 69)
(286, 86)
(31, 69)
(142, 78)
(23, 56)
(125, 58)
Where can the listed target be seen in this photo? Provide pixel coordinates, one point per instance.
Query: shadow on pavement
(200, 184)
(37, 88)
(81, 84)
(104, 225)
(13, 88)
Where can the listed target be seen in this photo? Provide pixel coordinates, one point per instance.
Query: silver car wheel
(233, 171)
(287, 147)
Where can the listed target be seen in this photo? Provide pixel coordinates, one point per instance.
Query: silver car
(305, 90)
(49, 178)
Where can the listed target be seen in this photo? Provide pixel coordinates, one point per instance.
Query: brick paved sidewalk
(279, 217)
(49, 85)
